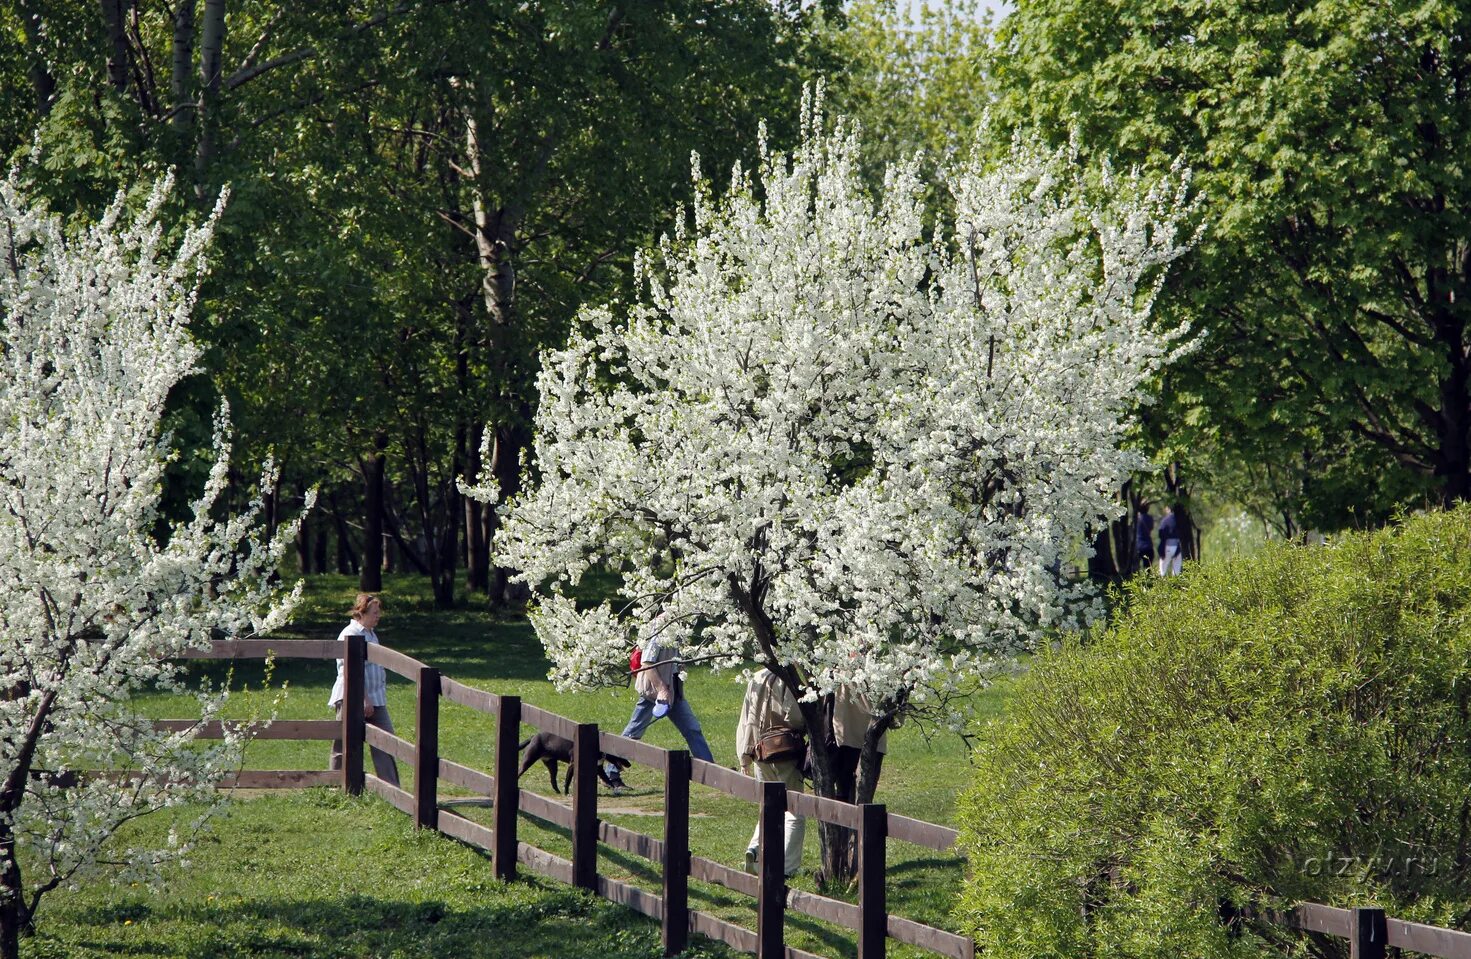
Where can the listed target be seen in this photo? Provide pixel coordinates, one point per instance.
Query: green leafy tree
(914, 76)
(424, 193)
(1333, 284)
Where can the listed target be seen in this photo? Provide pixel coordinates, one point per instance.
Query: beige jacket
(851, 716)
(768, 705)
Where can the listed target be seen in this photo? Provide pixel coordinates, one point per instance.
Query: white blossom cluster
(823, 439)
(97, 591)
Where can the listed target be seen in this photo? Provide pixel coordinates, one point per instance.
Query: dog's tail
(525, 744)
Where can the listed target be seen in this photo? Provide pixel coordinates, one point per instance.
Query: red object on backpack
(635, 660)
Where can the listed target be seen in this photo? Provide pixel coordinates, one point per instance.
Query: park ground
(313, 873)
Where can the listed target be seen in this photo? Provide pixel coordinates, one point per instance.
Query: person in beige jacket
(851, 716)
(768, 706)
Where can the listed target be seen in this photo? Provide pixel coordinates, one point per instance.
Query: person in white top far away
(365, 613)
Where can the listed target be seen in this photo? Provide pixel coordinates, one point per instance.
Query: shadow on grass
(467, 642)
(506, 924)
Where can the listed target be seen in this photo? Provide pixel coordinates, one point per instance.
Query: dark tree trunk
(397, 550)
(1125, 533)
(439, 522)
(319, 549)
(838, 859)
(506, 469)
(15, 913)
(1101, 568)
(477, 551)
(14, 917)
(347, 561)
(43, 83)
(180, 88)
(370, 579)
(115, 18)
(1453, 462)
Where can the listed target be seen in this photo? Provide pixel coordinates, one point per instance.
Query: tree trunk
(438, 522)
(14, 917)
(115, 17)
(1453, 462)
(183, 60)
(397, 550)
(211, 46)
(1101, 568)
(370, 580)
(505, 468)
(43, 83)
(304, 545)
(319, 550)
(495, 243)
(444, 591)
(477, 551)
(1125, 534)
(838, 859)
(347, 563)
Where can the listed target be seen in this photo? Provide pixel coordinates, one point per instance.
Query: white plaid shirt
(375, 680)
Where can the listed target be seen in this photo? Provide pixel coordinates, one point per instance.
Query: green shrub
(1293, 726)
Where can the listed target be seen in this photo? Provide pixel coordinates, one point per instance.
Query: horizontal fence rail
(1369, 931)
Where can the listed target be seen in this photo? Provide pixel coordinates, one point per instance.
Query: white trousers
(787, 772)
(1169, 558)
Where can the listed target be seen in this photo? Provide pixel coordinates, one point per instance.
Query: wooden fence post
(426, 751)
(771, 892)
(585, 806)
(1367, 934)
(354, 659)
(873, 914)
(676, 852)
(507, 792)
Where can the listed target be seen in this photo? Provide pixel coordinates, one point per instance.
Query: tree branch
(249, 70)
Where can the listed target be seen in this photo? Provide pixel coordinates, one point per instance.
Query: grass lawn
(316, 873)
(921, 779)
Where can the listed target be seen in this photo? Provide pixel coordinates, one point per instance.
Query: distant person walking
(365, 613)
(771, 736)
(1169, 544)
(1143, 537)
(660, 694)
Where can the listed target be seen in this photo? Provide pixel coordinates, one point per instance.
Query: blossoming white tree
(822, 442)
(96, 591)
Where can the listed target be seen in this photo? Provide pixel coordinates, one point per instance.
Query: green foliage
(914, 75)
(1329, 140)
(1290, 727)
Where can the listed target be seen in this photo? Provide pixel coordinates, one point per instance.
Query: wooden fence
(1369, 931)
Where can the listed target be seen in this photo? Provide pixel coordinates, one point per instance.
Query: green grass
(921, 778)
(315, 873)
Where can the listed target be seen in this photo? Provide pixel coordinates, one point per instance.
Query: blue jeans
(683, 718)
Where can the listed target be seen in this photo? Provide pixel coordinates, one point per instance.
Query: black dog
(552, 749)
